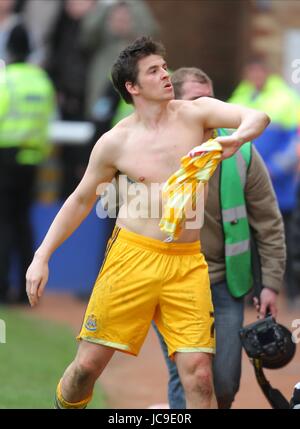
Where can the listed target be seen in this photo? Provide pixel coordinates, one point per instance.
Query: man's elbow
(80, 201)
(264, 119)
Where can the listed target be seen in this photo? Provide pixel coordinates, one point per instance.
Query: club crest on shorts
(91, 323)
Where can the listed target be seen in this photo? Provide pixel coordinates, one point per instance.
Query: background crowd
(74, 42)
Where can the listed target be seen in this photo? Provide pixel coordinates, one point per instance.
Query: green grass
(33, 360)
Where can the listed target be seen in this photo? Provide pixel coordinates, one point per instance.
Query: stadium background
(219, 35)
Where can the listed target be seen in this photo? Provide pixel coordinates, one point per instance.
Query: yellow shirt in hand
(180, 189)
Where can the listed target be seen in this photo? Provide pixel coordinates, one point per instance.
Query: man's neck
(152, 113)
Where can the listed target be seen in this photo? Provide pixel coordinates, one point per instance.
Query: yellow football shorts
(143, 279)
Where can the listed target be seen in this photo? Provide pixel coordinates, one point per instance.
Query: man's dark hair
(180, 76)
(125, 68)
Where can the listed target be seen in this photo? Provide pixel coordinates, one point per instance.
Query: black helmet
(268, 341)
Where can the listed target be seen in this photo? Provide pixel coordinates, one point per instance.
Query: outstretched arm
(249, 123)
(76, 208)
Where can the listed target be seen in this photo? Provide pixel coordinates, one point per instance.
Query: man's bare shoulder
(108, 146)
(123, 126)
(191, 104)
(201, 107)
(189, 109)
(203, 104)
(177, 105)
(116, 136)
(210, 104)
(111, 143)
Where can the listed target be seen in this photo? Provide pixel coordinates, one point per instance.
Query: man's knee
(89, 363)
(85, 369)
(198, 377)
(203, 382)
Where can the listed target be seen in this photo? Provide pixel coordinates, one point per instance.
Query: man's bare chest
(155, 160)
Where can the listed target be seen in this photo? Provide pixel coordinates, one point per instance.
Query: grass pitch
(33, 360)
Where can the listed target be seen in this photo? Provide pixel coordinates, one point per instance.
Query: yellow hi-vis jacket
(26, 107)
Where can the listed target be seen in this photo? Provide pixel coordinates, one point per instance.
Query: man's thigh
(185, 316)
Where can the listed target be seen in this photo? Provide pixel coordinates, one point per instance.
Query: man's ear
(132, 88)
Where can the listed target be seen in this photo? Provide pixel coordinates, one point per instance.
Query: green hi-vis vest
(26, 107)
(235, 222)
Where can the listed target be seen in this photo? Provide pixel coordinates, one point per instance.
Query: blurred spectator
(107, 106)
(8, 21)
(268, 92)
(39, 16)
(105, 32)
(67, 63)
(296, 225)
(26, 106)
(67, 66)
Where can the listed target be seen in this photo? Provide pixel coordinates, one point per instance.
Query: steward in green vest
(235, 221)
(26, 106)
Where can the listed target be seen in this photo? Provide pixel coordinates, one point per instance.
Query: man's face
(78, 8)
(257, 75)
(191, 89)
(153, 81)
(6, 6)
